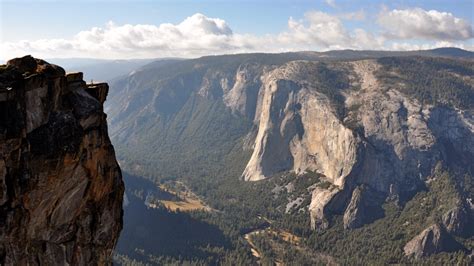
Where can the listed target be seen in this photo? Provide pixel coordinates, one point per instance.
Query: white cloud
(417, 23)
(331, 3)
(367, 41)
(199, 35)
(322, 31)
(317, 29)
(196, 35)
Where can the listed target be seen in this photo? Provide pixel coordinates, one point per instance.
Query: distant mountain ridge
(108, 69)
(100, 70)
(438, 52)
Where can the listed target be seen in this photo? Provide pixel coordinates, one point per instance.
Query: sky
(120, 29)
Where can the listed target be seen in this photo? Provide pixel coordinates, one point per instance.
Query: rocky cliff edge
(60, 185)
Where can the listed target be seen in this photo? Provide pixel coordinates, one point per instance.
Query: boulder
(364, 207)
(432, 240)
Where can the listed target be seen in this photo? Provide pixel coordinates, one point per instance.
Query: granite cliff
(382, 138)
(374, 127)
(60, 185)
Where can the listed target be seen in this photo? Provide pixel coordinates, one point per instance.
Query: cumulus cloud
(200, 35)
(417, 23)
(321, 31)
(196, 35)
(316, 29)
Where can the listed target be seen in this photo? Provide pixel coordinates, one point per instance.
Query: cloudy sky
(173, 28)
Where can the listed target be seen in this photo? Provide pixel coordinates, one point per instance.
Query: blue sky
(48, 28)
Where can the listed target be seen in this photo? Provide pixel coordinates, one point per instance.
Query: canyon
(376, 128)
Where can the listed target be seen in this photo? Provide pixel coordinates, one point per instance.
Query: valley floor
(168, 223)
(186, 200)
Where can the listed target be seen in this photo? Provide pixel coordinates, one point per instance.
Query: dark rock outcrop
(457, 220)
(60, 184)
(364, 207)
(432, 240)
